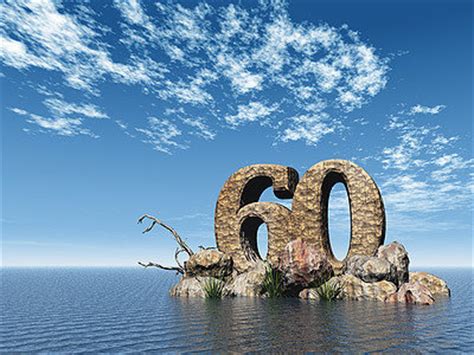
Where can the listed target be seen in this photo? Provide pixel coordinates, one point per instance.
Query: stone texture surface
(355, 289)
(370, 269)
(309, 294)
(209, 262)
(276, 218)
(247, 284)
(396, 254)
(437, 286)
(412, 292)
(238, 212)
(187, 287)
(309, 218)
(302, 265)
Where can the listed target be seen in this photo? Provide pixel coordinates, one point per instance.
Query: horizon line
(141, 267)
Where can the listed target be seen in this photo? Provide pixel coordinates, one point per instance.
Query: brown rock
(396, 254)
(412, 292)
(355, 289)
(437, 286)
(209, 262)
(302, 265)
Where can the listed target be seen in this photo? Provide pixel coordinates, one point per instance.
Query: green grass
(273, 283)
(329, 291)
(213, 288)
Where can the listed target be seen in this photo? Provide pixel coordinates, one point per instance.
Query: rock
(396, 254)
(247, 284)
(209, 262)
(302, 265)
(436, 285)
(187, 287)
(309, 294)
(370, 269)
(355, 289)
(412, 292)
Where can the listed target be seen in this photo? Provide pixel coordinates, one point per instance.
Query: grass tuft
(213, 288)
(273, 283)
(329, 291)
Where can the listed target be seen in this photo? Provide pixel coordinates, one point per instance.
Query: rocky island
(299, 262)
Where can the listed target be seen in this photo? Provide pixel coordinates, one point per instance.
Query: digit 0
(309, 219)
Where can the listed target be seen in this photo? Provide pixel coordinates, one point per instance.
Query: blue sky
(114, 109)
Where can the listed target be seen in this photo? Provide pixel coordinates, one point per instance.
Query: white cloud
(56, 41)
(161, 134)
(201, 128)
(450, 164)
(409, 193)
(426, 109)
(19, 111)
(133, 11)
(309, 128)
(427, 173)
(412, 142)
(63, 108)
(15, 54)
(212, 57)
(191, 91)
(254, 111)
(59, 125)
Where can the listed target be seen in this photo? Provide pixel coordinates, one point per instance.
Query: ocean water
(128, 310)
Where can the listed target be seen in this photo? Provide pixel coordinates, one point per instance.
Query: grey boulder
(370, 269)
(247, 284)
(396, 254)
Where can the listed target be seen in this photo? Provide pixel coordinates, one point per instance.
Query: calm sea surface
(129, 310)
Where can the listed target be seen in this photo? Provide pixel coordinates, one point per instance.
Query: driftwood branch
(175, 234)
(178, 269)
(176, 254)
(183, 247)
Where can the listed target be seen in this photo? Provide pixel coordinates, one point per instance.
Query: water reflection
(242, 324)
(130, 311)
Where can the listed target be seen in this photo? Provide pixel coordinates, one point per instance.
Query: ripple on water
(129, 310)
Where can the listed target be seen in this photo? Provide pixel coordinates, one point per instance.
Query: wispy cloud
(235, 64)
(62, 126)
(254, 111)
(56, 41)
(63, 108)
(426, 171)
(201, 129)
(161, 134)
(417, 109)
(310, 128)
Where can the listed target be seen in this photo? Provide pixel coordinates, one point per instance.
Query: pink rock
(303, 265)
(412, 292)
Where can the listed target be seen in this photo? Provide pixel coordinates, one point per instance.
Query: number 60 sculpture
(239, 212)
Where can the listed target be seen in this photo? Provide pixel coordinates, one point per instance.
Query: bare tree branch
(176, 254)
(178, 269)
(175, 234)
